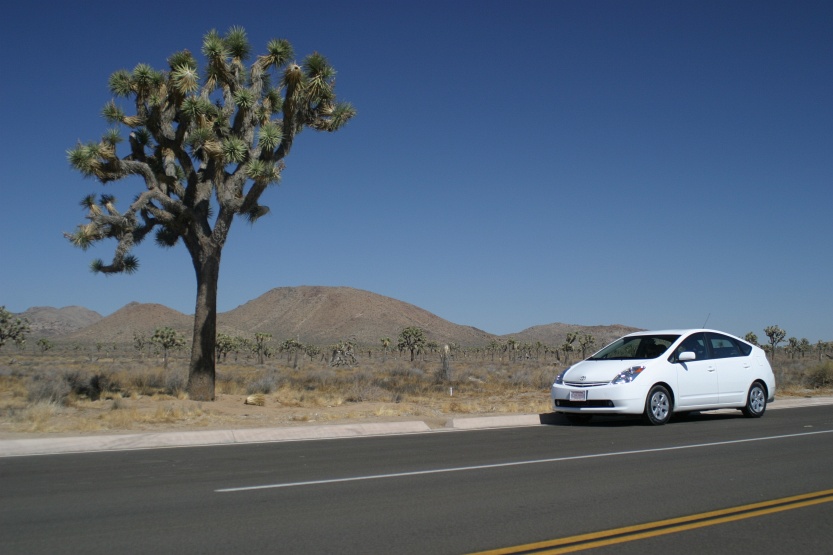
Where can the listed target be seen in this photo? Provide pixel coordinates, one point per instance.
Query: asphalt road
(445, 492)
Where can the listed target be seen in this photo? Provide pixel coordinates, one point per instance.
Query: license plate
(578, 396)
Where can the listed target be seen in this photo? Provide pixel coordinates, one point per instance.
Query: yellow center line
(662, 527)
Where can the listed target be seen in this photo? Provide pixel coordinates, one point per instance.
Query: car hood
(598, 371)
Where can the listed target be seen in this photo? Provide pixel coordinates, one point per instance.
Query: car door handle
(711, 369)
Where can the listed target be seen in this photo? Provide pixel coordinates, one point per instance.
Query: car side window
(695, 343)
(725, 347)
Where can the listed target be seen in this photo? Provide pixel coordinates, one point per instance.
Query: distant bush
(149, 381)
(265, 385)
(175, 383)
(49, 388)
(821, 376)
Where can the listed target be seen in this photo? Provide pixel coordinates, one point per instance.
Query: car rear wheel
(755, 401)
(658, 406)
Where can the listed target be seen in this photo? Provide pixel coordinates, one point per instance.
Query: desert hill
(556, 334)
(326, 315)
(46, 321)
(311, 314)
(141, 318)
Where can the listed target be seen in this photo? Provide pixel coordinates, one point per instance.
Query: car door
(697, 384)
(734, 368)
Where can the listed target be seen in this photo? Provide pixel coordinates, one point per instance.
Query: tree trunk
(203, 352)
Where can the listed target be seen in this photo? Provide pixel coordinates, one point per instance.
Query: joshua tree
(538, 348)
(776, 335)
(804, 346)
(494, 347)
(225, 345)
(751, 338)
(586, 341)
(511, 346)
(312, 351)
(385, 346)
(568, 346)
(206, 145)
(342, 354)
(44, 344)
(12, 328)
(140, 341)
(792, 346)
(821, 347)
(260, 348)
(411, 339)
(167, 338)
(291, 347)
(445, 357)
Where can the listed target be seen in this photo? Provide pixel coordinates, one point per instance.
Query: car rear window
(727, 347)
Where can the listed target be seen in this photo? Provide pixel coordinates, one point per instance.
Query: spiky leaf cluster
(206, 142)
(12, 328)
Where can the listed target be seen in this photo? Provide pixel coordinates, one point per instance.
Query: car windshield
(636, 347)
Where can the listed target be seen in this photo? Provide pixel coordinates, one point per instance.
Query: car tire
(658, 406)
(755, 401)
(577, 419)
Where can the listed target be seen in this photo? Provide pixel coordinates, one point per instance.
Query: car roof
(680, 332)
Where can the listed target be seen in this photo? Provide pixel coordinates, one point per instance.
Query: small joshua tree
(412, 339)
(167, 339)
(260, 348)
(12, 328)
(776, 335)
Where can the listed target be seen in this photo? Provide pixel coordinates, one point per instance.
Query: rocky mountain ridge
(310, 314)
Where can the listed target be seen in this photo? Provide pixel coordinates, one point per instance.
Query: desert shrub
(362, 392)
(39, 416)
(361, 386)
(229, 383)
(404, 382)
(91, 386)
(318, 379)
(148, 381)
(407, 371)
(820, 376)
(788, 374)
(99, 383)
(532, 378)
(13, 383)
(175, 383)
(49, 388)
(265, 385)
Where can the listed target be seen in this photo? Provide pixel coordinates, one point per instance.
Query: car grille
(592, 403)
(585, 384)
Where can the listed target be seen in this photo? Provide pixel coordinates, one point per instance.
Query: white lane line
(509, 464)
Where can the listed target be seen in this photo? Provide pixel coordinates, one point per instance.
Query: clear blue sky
(652, 164)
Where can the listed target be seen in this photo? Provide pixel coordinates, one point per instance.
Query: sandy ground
(158, 414)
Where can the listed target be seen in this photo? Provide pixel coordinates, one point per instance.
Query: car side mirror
(686, 356)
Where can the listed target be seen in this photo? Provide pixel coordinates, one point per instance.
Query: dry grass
(71, 394)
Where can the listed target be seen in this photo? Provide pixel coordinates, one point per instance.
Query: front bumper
(604, 399)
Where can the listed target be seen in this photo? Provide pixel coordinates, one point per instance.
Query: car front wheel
(755, 401)
(658, 406)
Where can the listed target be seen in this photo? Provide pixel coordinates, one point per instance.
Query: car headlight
(629, 375)
(559, 379)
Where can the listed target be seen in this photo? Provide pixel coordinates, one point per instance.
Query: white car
(658, 373)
